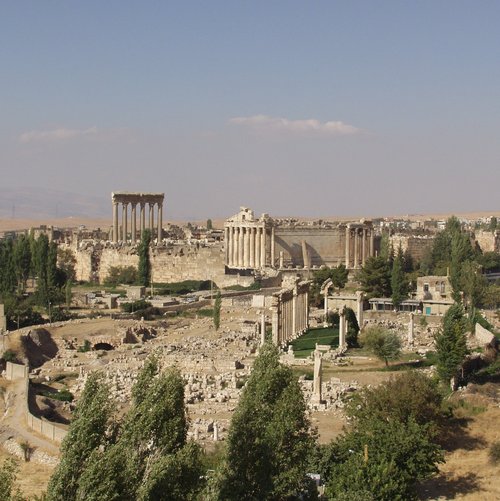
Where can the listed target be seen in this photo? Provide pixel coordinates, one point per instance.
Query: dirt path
(13, 422)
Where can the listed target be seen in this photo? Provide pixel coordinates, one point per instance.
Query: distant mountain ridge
(44, 203)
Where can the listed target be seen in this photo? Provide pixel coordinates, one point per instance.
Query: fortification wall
(188, 263)
(488, 241)
(126, 256)
(415, 245)
(168, 264)
(325, 245)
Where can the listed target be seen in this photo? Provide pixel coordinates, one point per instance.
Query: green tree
(493, 223)
(399, 284)
(68, 293)
(410, 395)
(52, 275)
(451, 343)
(40, 260)
(217, 308)
(390, 443)
(209, 224)
(85, 435)
(22, 261)
(144, 268)
(473, 284)
(8, 475)
(385, 458)
(8, 278)
(353, 330)
(375, 278)
(385, 344)
(149, 459)
(66, 263)
(269, 439)
(121, 275)
(461, 251)
(338, 275)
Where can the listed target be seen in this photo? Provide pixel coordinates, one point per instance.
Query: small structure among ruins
(121, 232)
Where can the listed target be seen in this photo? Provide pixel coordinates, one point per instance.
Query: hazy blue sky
(292, 108)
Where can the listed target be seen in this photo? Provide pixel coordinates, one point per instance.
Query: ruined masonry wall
(488, 241)
(415, 245)
(115, 257)
(172, 264)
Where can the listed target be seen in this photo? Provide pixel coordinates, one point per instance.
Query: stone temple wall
(324, 246)
(415, 245)
(169, 264)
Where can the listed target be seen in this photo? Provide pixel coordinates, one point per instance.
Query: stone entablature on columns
(290, 312)
(249, 241)
(125, 199)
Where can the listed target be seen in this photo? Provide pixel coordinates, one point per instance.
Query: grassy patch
(307, 373)
(62, 395)
(305, 344)
(464, 408)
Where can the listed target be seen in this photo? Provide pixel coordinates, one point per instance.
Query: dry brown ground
(73, 222)
(468, 473)
(32, 478)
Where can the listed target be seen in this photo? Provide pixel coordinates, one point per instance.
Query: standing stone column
(306, 310)
(133, 231)
(151, 218)
(124, 221)
(234, 239)
(363, 248)
(356, 247)
(347, 247)
(143, 219)
(246, 251)
(258, 264)
(160, 223)
(316, 396)
(226, 246)
(252, 247)
(115, 222)
(359, 308)
(240, 247)
(273, 257)
(411, 327)
(294, 314)
(263, 249)
(325, 300)
(342, 328)
(275, 320)
(372, 243)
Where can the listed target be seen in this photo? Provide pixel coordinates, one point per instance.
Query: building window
(426, 287)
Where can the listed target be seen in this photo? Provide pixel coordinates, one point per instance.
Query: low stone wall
(46, 428)
(16, 371)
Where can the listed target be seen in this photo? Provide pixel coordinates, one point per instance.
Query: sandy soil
(74, 222)
(468, 474)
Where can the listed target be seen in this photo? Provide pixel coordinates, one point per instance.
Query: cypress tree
(144, 269)
(399, 284)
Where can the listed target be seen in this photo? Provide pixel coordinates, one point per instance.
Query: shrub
(494, 452)
(385, 344)
(9, 356)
